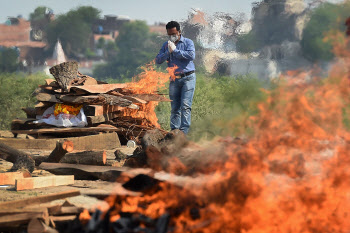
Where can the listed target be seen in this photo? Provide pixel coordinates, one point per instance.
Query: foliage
(73, 29)
(221, 106)
(8, 60)
(39, 13)
(16, 92)
(247, 43)
(135, 46)
(325, 18)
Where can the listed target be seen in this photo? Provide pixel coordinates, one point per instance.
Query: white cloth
(62, 120)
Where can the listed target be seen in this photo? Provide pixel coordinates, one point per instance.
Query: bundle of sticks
(107, 106)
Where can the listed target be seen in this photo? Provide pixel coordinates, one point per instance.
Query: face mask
(173, 38)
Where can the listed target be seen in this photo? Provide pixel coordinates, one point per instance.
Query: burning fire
(149, 82)
(292, 176)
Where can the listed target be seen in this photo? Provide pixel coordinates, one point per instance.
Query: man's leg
(175, 96)
(187, 93)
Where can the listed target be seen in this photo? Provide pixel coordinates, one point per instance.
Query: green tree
(8, 60)
(135, 46)
(325, 18)
(73, 29)
(39, 13)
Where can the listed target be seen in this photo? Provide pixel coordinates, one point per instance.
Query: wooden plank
(38, 200)
(65, 130)
(9, 178)
(105, 141)
(43, 105)
(37, 209)
(89, 172)
(151, 97)
(63, 218)
(27, 123)
(64, 210)
(21, 218)
(42, 182)
(100, 88)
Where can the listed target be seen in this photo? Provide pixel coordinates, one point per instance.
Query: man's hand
(171, 46)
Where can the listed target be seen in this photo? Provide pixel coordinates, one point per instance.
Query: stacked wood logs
(105, 105)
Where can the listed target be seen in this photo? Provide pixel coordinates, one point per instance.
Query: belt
(185, 74)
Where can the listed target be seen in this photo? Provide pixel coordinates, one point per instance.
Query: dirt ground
(87, 188)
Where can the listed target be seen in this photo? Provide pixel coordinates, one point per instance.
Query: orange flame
(149, 82)
(292, 176)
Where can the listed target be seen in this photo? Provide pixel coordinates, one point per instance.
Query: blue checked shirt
(182, 56)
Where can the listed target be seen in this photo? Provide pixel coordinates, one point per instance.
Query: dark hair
(173, 24)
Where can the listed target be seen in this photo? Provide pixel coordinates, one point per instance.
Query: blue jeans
(181, 93)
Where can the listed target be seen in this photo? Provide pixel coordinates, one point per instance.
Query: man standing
(179, 52)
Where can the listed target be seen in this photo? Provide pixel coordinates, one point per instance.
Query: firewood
(31, 112)
(46, 97)
(105, 141)
(37, 226)
(9, 178)
(19, 159)
(42, 182)
(102, 118)
(89, 172)
(62, 147)
(64, 73)
(99, 89)
(151, 97)
(86, 157)
(20, 218)
(65, 130)
(38, 200)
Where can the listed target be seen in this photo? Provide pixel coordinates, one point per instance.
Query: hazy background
(152, 11)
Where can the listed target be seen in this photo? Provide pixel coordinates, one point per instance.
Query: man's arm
(162, 55)
(189, 53)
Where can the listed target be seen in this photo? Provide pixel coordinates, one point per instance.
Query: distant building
(16, 33)
(158, 28)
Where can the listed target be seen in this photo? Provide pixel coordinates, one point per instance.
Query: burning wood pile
(108, 107)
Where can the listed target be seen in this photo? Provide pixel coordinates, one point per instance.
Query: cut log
(38, 200)
(19, 159)
(62, 147)
(42, 182)
(105, 141)
(9, 178)
(37, 226)
(64, 73)
(46, 97)
(88, 172)
(86, 157)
